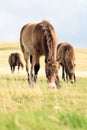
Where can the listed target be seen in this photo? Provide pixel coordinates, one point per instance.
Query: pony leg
(57, 82)
(18, 68)
(11, 68)
(74, 78)
(67, 76)
(32, 61)
(63, 73)
(26, 56)
(36, 66)
(36, 69)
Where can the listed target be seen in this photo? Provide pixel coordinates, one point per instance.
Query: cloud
(68, 17)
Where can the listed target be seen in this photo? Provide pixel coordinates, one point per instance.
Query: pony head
(51, 70)
(71, 72)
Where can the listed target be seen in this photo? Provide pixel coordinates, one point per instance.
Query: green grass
(24, 107)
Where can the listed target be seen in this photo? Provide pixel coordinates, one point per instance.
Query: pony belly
(29, 49)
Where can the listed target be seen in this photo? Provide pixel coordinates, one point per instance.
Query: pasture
(24, 107)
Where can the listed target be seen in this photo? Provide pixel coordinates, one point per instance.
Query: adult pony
(37, 39)
(15, 60)
(66, 58)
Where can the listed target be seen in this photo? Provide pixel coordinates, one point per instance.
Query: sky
(68, 17)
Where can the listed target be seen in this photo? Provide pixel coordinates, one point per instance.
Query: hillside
(7, 48)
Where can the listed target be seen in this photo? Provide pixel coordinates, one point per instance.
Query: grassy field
(25, 107)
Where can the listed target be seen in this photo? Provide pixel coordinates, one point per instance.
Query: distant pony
(66, 58)
(15, 60)
(38, 39)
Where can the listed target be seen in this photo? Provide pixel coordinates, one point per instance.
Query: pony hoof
(29, 81)
(35, 79)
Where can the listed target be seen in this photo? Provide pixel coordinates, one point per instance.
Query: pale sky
(69, 18)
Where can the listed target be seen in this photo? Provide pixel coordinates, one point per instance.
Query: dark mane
(50, 39)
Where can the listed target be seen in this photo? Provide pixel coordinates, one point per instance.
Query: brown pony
(15, 60)
(66, 58)
(37, 39)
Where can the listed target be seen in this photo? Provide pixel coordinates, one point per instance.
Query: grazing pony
(66, 58)
(15, 60)
(38, 39)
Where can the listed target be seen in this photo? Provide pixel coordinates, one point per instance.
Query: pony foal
(66, 58)
(15, 60)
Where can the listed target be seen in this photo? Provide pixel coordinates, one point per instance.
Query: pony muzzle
(52, 85)
(72, 81)
(72, 77)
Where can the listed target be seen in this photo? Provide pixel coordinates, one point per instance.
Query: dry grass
(81, 59)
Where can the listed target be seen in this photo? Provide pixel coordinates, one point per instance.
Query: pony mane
(51, 38)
